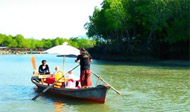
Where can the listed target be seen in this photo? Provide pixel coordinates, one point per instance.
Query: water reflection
(58, 106)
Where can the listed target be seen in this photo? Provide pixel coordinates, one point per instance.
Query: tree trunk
(125, 25)
(153, 25)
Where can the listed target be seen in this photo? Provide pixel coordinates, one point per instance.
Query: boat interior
(47, 79)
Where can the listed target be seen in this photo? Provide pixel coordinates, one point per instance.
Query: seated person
(72, 82)
(57, 70)
(57, 75)
(51, 80)
(44, 68)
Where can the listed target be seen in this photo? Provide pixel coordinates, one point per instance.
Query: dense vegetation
(19, 41)
(155, 28)
(128, 28)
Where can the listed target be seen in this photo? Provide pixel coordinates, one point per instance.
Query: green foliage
(132, 26)
(20, 42)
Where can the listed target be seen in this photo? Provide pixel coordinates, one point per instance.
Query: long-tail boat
(97, 94)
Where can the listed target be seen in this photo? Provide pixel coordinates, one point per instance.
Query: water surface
(144, 87)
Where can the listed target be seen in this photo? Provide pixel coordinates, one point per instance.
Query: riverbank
(117, 58)
(142, 60)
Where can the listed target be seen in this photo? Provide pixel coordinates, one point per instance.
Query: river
(144, 87)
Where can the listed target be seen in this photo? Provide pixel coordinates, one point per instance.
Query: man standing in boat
(85, 60)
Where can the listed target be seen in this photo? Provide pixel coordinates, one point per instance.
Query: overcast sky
(45, 18)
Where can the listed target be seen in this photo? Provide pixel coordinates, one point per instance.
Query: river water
(144, 87)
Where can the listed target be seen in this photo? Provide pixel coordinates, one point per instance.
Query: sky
(46, 18)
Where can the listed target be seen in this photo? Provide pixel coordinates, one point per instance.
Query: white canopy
(63, 49)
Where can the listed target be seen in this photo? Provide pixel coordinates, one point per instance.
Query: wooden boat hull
(97, 93)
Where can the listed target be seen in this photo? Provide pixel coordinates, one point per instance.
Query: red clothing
(50, 80)
(85, 78)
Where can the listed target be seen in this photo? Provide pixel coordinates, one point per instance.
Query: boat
(96, 94)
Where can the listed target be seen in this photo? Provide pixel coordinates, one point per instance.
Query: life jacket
(58, 75)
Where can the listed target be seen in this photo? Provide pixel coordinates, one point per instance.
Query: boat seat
(44, 76)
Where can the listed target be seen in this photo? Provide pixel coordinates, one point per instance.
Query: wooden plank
(44, 76)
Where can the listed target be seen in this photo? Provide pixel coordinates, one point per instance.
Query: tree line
(19, 41)
(158, 28)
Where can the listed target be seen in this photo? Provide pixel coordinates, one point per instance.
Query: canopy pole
(63, 63)
(63, 69)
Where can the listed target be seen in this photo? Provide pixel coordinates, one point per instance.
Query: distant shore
(21, 51)
(118, 58)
